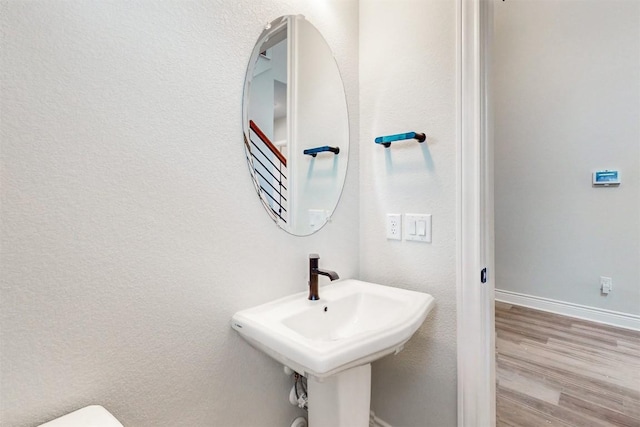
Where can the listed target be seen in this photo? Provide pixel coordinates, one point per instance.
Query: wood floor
(554, 370)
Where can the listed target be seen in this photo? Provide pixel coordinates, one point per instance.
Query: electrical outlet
(394, 226)
(606, 284)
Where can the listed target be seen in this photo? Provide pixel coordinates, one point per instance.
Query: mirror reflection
(296, 129)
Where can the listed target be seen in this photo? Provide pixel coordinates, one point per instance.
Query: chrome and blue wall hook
(387, 140)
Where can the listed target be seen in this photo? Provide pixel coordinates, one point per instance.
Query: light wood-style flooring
(554, 370)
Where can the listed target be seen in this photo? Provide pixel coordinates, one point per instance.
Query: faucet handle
(314, 256)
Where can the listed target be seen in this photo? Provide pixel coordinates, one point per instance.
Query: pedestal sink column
(341, 400)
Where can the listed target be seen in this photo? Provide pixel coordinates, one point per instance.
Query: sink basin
(353, 323)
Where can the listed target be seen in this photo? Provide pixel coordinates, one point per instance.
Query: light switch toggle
(418, 227)
(422, 228)
(412, 227)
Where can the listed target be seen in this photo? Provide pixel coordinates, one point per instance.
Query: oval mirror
(296, 125)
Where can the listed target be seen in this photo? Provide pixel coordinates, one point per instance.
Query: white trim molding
(594, 314)
(474, 222)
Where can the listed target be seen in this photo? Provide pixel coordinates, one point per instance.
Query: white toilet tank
(90, 416)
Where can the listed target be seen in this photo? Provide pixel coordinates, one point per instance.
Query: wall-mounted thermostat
(606, 178)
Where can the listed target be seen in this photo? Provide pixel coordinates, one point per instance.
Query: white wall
(407, 83)
(130, 228)
(567, 102)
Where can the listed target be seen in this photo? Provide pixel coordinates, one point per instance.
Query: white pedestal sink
(343, 399)
(332, 341)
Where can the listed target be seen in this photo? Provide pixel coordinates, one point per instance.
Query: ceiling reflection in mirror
(295, 123)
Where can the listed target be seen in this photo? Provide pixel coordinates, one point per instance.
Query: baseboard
(599, 315)
(375, 421)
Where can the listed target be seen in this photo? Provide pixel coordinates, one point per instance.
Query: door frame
(475, 242)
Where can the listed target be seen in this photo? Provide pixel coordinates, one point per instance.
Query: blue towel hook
(387, 140)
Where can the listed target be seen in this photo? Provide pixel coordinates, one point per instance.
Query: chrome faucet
(313, 276)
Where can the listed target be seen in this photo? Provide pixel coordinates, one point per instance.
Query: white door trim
(475, 304)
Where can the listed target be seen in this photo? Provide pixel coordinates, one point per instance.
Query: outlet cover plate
(394, 226)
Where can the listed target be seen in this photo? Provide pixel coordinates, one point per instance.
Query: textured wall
(407, 83)
(567, 102)
(130, 228)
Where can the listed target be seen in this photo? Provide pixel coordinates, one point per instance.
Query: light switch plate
(418, 227)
